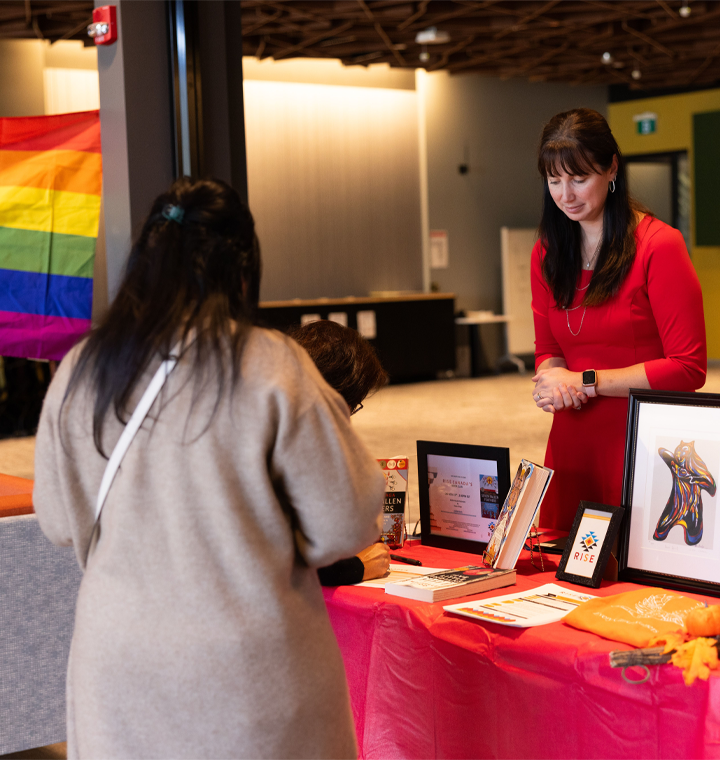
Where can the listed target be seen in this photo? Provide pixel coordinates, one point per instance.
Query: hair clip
(173, 213)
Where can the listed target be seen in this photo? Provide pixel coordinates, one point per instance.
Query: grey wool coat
(201, 629)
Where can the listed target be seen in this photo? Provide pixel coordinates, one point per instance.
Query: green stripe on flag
(46, 252)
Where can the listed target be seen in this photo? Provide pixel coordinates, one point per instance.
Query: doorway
(661, 181)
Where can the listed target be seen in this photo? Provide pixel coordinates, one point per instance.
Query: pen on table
(406, 560)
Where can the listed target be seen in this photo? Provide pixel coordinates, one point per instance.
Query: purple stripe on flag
(36, 336)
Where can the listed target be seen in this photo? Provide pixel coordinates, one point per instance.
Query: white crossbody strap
(133, 426)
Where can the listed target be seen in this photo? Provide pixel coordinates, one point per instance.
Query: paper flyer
(399, 572)
(539, 606)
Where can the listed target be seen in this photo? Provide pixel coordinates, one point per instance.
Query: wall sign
(645, 123)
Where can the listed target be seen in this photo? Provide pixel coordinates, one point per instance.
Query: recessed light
(607, 57)
(432, 36)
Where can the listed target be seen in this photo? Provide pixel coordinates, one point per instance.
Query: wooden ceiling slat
(548, 40)
(309, 41)
(420, 12)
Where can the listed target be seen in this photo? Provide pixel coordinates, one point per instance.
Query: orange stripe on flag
(67, 170)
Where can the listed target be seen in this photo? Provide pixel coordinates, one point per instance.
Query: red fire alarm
(103, 29)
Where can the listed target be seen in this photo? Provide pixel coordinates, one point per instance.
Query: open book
(517, 515)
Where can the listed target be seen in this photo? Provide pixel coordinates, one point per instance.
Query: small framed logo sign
(589, 544)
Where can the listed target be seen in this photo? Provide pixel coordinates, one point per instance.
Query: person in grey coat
(201, 630)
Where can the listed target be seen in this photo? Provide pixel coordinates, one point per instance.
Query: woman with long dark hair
(616, 303)
(201, 629)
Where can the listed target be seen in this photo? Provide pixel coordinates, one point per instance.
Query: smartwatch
(589, 380)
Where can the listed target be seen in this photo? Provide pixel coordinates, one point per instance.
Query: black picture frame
(690, 419)
(498, 454)
(599, 559)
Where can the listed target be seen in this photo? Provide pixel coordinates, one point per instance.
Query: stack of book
(449, 584)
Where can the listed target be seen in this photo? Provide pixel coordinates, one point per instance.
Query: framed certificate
(588, 547)
(462, 488)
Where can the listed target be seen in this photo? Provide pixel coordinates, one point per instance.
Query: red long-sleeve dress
(656, 318)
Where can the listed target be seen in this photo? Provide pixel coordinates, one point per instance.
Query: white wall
(333, 179)
(494, 126)
(21, 78)
(38, 78)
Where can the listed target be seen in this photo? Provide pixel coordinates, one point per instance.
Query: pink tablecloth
(427, 684)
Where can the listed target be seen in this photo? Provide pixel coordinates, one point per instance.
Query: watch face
(588, 377)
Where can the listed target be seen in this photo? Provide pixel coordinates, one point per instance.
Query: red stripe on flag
(36, 336)
(67, 131)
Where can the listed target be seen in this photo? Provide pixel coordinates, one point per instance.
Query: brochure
(545, 604)
(395, 471)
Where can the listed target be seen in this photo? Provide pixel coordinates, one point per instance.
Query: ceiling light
(685, 10)
(424, 56)
(607, 57)
(431, 36)
(636, 73)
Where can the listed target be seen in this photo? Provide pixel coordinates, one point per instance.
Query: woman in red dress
(616, 304)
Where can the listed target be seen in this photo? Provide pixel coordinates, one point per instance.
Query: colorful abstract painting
(50, 187)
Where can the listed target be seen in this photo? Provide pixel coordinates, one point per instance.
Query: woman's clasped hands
(556, 389)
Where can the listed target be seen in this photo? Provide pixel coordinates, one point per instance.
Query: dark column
(136, 119)
(140, 113)
(223, 116)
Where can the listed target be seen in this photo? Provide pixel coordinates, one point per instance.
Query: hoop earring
(611, 185)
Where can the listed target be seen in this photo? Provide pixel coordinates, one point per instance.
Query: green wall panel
(706, 143)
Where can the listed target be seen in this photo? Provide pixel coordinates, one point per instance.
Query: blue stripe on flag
(52, 295)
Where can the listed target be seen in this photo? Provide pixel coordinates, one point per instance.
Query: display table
(15, 496)
(38, 587)
(426, 684)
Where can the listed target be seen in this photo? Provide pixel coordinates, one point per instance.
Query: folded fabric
(634, 617)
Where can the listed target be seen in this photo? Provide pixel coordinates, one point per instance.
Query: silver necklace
(567, 315)
(590, 263)
(567, 311)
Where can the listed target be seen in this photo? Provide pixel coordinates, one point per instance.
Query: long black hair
(193, 271)
(579, 142)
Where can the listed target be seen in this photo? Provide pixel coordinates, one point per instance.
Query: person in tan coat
(201, 630)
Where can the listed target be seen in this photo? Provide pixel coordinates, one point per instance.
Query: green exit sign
(645, 123)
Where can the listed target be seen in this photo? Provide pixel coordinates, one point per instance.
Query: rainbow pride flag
(50, 185)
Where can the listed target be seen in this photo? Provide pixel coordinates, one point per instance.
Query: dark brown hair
(345, 359)
(579, 142)
(195, 269)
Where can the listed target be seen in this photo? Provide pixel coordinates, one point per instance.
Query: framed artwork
(588, 547)
(461, 491)
(671, 535)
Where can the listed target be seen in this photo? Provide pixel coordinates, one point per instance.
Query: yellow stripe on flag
(30, 208)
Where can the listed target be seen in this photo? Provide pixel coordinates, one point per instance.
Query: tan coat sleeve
(60, 496)
(333, 484)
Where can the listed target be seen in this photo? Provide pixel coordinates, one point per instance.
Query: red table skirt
(426, 684)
